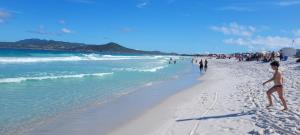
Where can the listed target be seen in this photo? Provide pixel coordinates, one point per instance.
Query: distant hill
(51, 45)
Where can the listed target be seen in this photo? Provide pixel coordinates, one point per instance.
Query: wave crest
(84, 57)
(155, 69)
(22, 79)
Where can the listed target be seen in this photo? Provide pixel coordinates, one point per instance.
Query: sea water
(37, 86)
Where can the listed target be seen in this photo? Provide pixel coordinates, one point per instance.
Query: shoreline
(159, 118)
(101, 119)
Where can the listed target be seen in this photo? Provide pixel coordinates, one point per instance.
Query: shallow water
(37, 86)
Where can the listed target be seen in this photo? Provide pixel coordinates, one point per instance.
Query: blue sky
(184, 26)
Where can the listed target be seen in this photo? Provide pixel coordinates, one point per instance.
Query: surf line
(211, 106)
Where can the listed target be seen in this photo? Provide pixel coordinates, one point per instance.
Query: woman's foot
(285, 109)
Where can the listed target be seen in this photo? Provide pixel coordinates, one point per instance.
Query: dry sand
(230, 99)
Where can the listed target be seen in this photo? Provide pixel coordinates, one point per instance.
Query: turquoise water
(36, 86)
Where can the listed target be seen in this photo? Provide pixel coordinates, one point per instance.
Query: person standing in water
(278, 85)
(201, 65)
(205, 64)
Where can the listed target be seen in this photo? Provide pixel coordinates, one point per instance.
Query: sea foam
(154, 69)
(21, 79)
(84, 57)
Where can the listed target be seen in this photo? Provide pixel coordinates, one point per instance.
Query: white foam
(154, 69)
(85, 57)
(148, 84)
(21, 79)
(37, 59)
(111, 57)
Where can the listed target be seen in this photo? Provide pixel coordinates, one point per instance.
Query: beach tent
(288, 51)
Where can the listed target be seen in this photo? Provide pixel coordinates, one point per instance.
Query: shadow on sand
(219, 116)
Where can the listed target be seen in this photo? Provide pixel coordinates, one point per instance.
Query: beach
(229, 99)
(148, 96)
(149, 67)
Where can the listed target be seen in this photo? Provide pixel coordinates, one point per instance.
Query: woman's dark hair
(275, 63)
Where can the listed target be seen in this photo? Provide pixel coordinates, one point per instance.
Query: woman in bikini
(278, 87)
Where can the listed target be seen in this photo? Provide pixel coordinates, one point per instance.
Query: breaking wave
(22, 79)
(84, 57)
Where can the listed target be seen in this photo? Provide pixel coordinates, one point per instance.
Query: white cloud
(66, 31)
(141, 5)
(42, 31)
(4, 15)
(273, 42)
(246, 37)
(288, 3)
(235, 29)
(238, 41)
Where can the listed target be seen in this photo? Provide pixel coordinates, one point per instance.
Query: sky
(182, 26)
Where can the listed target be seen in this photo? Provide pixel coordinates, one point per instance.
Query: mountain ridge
(53, 45)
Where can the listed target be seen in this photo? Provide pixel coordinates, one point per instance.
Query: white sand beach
(230, 99)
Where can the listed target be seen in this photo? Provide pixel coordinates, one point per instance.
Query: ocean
(38, 86)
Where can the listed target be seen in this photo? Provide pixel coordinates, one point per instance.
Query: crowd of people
(265, 57)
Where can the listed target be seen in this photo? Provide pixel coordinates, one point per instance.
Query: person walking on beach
(201, 65)
(205, 64)
(278, 85)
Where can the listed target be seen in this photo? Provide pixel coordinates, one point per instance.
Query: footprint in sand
(227, 128)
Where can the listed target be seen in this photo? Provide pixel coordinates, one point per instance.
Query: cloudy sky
(185, 26)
